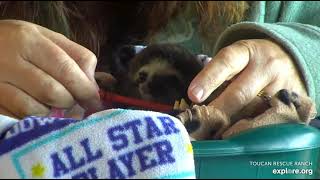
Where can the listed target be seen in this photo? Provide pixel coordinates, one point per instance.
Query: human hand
(40, 69)
(253, 65)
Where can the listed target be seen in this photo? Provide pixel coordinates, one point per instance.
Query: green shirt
(293, 24)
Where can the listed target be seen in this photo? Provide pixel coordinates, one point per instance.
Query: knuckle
(241, 95)
(62, 36)
(88, 58)
(274, 62)
(66, 68)
(246, 43)
(226, 52)
(24, 36)
(22, 27)
(226, 55)
(251, 45)
(275, 65)
(24, 31)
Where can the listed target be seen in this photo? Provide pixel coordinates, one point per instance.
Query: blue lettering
(74, 165)
(93, 173)
(126, 159)
(27, 125)
(119, 137)
(59, 168)
(134, 126)
(164, 151)
(169, 125)
(45, 121)
(115, 171)
(90, 174)
(152, 128)
(13, 131)
(143, 158)
(89, 154)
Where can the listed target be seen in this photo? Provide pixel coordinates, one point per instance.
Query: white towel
(114, 143)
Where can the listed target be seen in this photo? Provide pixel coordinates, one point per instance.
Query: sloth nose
(142, 77)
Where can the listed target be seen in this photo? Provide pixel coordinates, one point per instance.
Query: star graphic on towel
(38, 170)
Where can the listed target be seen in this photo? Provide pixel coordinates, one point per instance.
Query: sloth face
(159, 72)
(160, 82)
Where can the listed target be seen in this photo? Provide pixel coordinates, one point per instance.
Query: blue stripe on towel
(38, 130)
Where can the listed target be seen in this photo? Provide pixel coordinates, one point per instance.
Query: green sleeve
(297, 30)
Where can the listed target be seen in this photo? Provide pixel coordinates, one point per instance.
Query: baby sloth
(162, 73)
(158, 73)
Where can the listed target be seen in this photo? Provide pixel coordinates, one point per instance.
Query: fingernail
(197, 92)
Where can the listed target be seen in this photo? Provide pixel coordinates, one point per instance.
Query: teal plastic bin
(288, 151)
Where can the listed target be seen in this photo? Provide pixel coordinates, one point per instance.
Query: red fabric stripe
(109, 97)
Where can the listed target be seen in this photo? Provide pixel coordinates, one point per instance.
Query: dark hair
(93, 24)
(69, 18)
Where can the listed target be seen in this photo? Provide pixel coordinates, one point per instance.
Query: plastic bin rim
(289, 138)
